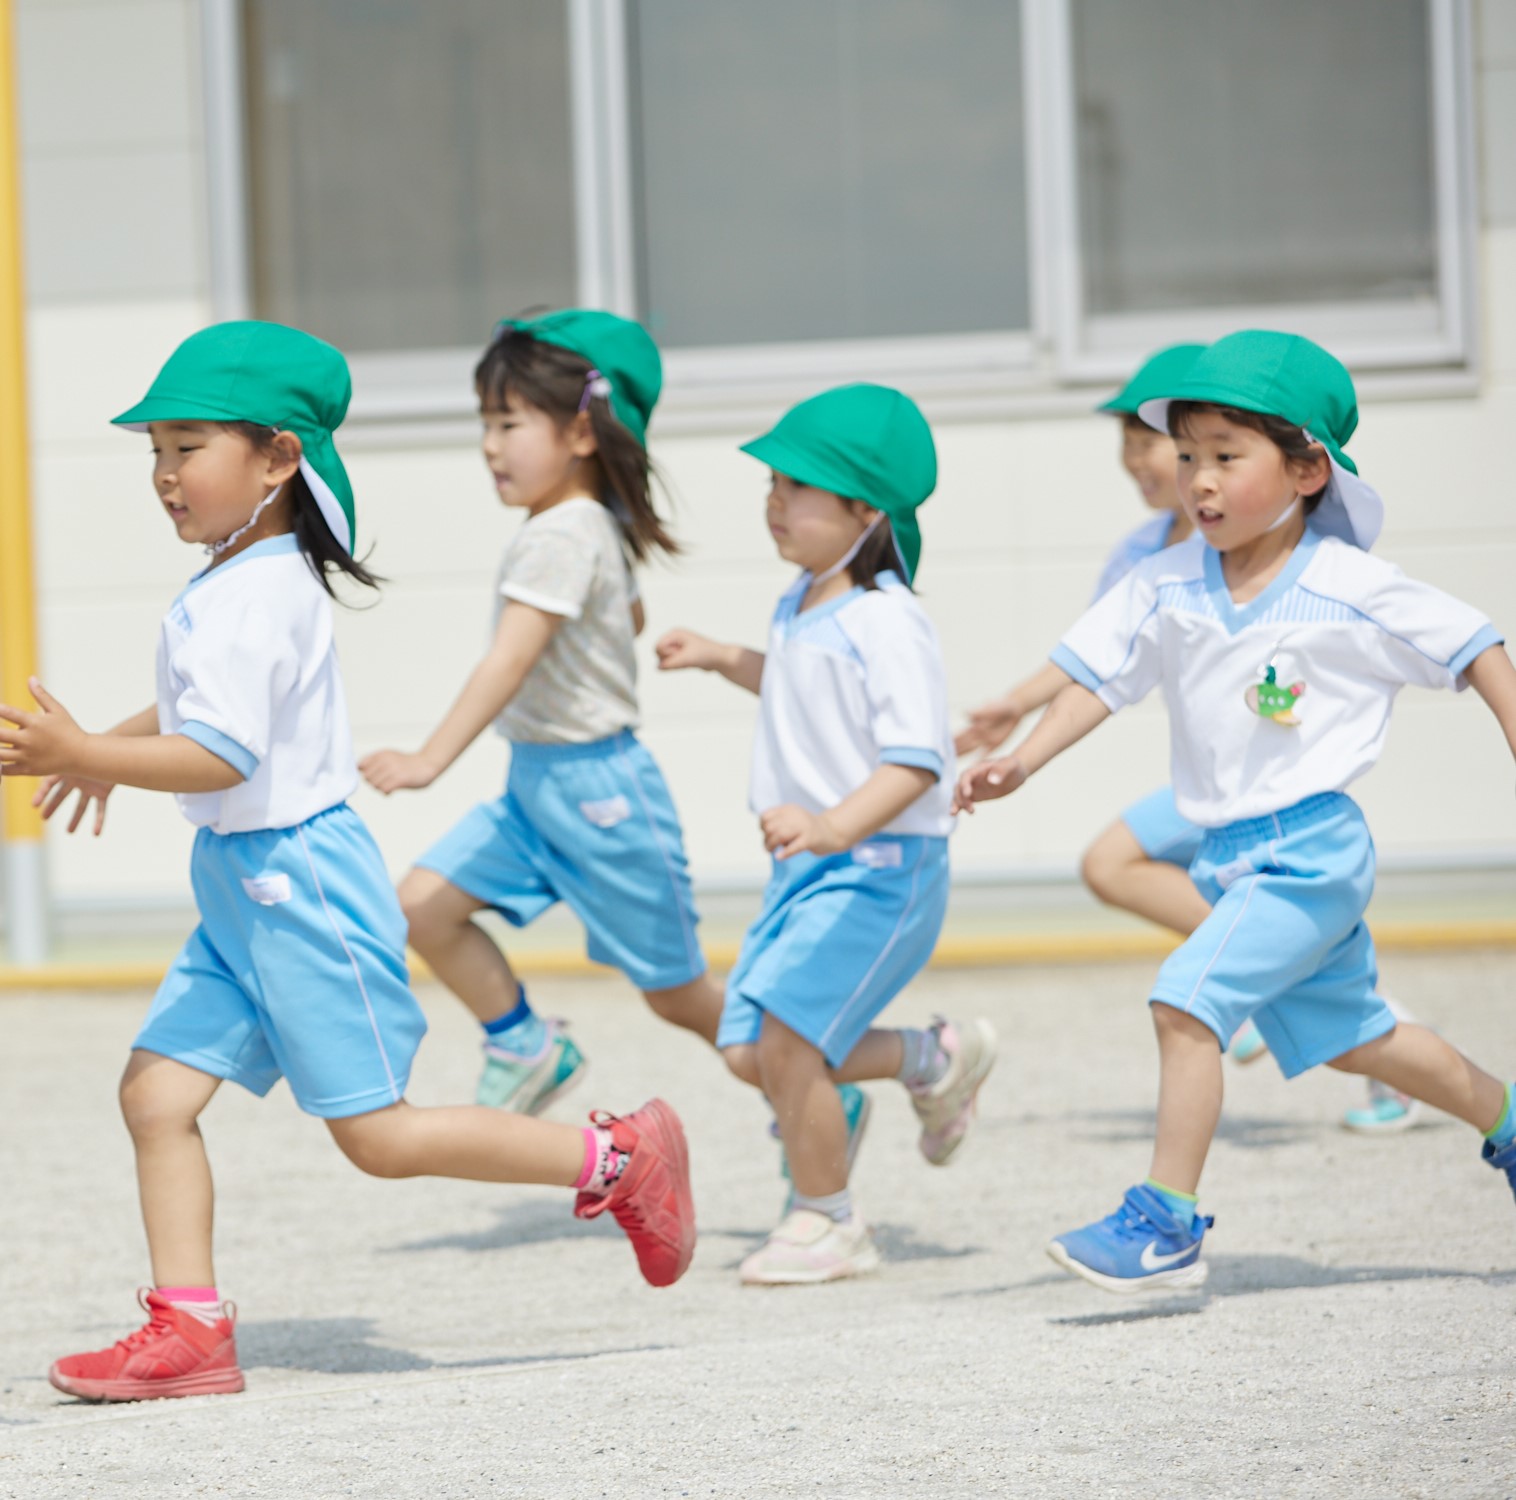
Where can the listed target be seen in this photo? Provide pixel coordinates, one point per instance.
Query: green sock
(1504, 1129)
(1181, 1205)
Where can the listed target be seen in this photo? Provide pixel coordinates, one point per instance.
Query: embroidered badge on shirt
(1270, 701)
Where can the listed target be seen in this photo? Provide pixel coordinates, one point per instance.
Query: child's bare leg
(1419, 1063)
(1118, 871)
(879, 1055)
(469, 1141)
(696, 1006)
(457, 950)
(811, 1122)
(1189, 1097)
(161, 1101)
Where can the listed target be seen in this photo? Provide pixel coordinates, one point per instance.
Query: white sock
(838, 1207)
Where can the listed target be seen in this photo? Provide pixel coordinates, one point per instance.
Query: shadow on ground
(524, 1224)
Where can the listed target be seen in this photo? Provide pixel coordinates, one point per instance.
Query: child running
(851, 786)
(1280, 645)
(1141, 862)
(297, 968)
(585, 818)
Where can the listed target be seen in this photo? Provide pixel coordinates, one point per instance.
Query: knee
(1173, 1024)
(150, 1113)
(1359, 1059)
(424, 913)
(375, 1151)
(1100, 868)
(782, 1053)
(742, 1062)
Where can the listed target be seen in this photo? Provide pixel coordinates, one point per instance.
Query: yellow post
(25, 902)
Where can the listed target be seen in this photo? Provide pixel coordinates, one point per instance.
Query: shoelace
(158, 1323)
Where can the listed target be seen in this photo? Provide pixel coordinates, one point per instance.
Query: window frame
(1047, 369)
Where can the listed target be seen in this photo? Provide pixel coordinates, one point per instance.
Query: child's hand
(38, 744)
(987, 780)
(55, 791)
(788, 830)
(394, 771)
(988, 725)
(681, 649)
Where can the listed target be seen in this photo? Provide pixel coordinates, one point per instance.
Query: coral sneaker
(651, 1199)
(173, 1354)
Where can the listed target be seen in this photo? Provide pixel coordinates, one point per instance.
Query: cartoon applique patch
(1269, 700)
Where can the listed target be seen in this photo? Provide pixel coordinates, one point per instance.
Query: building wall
(1024, 512)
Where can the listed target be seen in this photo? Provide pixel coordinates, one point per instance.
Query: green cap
(265, 373)
(1285, 375)
(621, 351)
(1153, 377)
(863, 442)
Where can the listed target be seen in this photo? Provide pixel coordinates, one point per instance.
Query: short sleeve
(236, 666)
(1113, 648)
(906, 686)
(551, 564)
(1425, 638)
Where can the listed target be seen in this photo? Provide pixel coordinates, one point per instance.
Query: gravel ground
(456, 1340)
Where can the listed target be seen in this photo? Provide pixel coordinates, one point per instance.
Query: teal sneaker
(527, 1085)
(1387, 1112)
(856, 1108)
(1248, 1044)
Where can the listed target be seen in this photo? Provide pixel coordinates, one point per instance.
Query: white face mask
(851, 552)
(215, 549)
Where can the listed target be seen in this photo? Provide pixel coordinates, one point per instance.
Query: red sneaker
(651, 1199)
(174, 1354)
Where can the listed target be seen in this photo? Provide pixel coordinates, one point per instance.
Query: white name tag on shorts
(608, 812)
(268, 890)
(1228, 875)
(879, 856)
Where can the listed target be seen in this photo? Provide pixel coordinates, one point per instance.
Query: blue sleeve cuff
(912, 755)
(1480, 642)
(1066, 661)
(241, 760)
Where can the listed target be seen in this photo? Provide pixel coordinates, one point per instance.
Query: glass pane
(814, 169)
(411, 166)
(1234, 153)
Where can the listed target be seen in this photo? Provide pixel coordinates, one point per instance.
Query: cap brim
(799, 465)
(167, 409)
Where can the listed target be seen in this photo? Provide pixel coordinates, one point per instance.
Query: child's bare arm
(520, 639)
(991, 723)
(51, 743)
(53, 791)
(1071, 716)
(881, 799)
(1492, 676)
(682, 650)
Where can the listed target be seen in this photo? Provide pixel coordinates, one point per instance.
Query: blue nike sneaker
(856, 1108)
(1141, 1247)
(1503, 1159)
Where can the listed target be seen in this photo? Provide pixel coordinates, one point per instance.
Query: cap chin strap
(1284, 516)
(850, 554)
(215, 549)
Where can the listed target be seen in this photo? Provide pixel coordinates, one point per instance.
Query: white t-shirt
(569, 561)
(847, 687)
(1350, 627)
(248, 668)
(1139, 543)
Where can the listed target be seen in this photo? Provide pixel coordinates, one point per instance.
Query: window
(973, 197)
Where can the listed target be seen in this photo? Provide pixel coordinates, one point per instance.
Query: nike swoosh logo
(1152, 1262)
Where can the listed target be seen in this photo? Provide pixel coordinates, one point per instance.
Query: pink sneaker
(946, 1109)
(651, 1199)
(173, 1354)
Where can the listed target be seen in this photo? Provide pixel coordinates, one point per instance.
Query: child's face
(532, 459)
(1148, 456)
(812, 528)
(1235, 482)
(209, 480)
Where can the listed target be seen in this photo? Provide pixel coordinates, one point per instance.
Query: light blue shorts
(297, 969)
(837, 939)
(1285, 942)
(594, 826)
(1161, 832)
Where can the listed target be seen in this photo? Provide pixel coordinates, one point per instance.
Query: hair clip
(595, 384)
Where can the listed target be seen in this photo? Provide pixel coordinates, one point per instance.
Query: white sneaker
(946, 1109)
(809, 1247)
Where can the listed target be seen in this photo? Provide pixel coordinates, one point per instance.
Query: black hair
(553, 380)
(322, 551)
(1288, 437)
(877, 555)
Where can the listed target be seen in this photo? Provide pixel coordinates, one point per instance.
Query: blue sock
(521, 1030)
(1181, 1205)
(1503, 1132)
